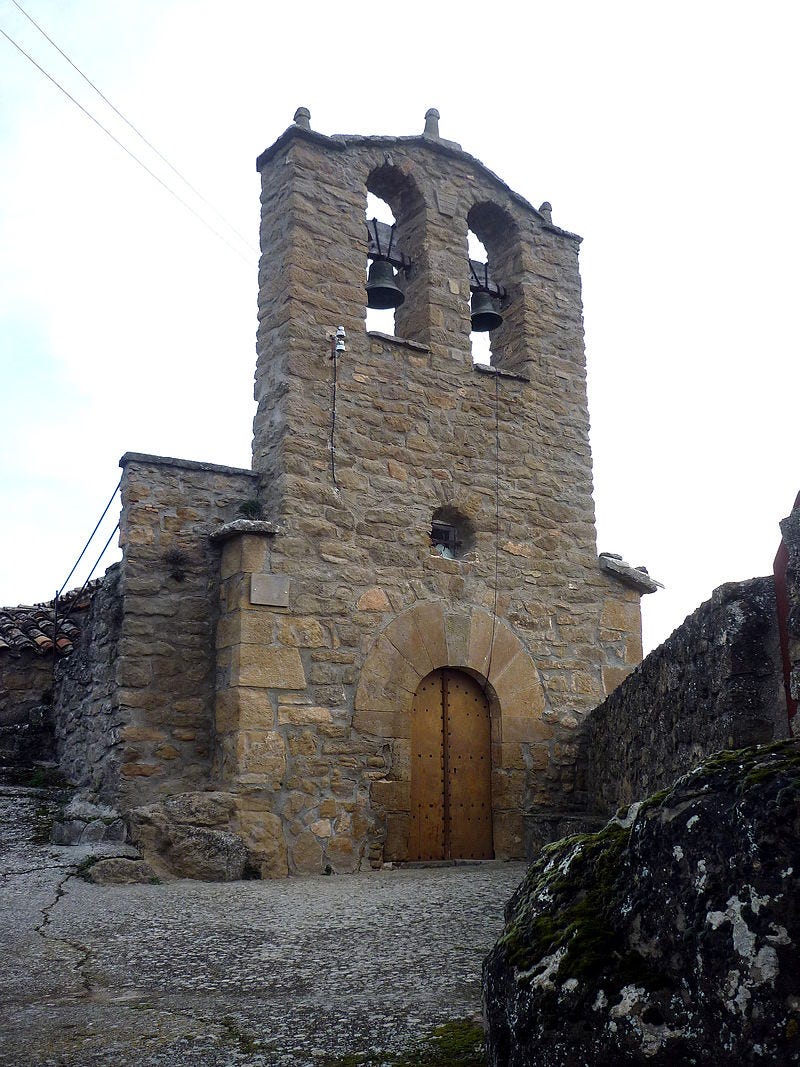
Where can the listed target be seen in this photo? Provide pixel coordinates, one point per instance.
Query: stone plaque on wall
(271, 590)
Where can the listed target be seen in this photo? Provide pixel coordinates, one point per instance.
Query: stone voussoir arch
(432, 634)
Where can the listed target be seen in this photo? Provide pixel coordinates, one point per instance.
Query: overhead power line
(128, 123)
(125, 149)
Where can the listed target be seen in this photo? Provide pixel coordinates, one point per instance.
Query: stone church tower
(421, 705)
(380, 643)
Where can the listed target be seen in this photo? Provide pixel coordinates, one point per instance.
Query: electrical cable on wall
(496, 517)
(337, 346)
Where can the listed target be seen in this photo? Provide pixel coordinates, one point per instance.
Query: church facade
(379, 643)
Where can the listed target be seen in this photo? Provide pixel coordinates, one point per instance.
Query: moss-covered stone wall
(715, 683)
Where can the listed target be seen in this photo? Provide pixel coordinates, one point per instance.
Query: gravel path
(296, 972)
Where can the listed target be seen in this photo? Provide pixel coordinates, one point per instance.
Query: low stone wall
(25, 724)
(85, 708)
(715, 683)
(25, 683)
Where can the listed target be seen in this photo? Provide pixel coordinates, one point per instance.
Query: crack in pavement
(35, 870)
(83, 953)
(284, 974)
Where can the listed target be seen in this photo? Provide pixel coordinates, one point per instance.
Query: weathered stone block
(262, 833)
(509, 755)
(141, 733)
(508, 790)
(167, 752)
(394, 796)
(516, 675)
(621, 615)
(521, 703)
(246, 627)
(307, 854)
(374, 599)
(138, 770)
(392, 669)
(254, 551)
(389, 724)
(397, 831)
(230, 561)
(457, 630)
(527, 729)
(120, 870)
(302, 633)
(633, 649)
(614, 676)
(342, 854)
(401, 759)
(267, 668)
(243, 709)
(508, 835)
(303, 744)
(429, 620)
(303, 715)
(262, 752)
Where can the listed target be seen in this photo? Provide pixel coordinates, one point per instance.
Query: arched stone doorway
(451, 769)
(429, 636)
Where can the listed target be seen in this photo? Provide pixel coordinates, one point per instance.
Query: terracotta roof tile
(29, 628)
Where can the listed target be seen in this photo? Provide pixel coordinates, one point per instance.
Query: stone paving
(301, 971)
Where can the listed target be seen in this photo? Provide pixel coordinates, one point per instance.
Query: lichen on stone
(669, 936)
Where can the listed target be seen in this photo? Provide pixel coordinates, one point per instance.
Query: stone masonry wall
(169, 580)
(25, 678)
(715, 683)
(26, 681)
(86, 712)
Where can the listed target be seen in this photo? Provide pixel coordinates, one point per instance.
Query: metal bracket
(480, 282)
(380, 245)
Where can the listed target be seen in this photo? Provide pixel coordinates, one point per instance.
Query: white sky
(664, 133)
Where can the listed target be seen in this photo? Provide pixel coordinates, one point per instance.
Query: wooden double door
(451, 769)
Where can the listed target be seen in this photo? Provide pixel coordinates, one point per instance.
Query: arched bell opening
(451, 769)
(496, 306)
(395, 232)
(381, 275)
(480, 341)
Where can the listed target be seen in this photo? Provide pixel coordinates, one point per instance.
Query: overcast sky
(665, 134)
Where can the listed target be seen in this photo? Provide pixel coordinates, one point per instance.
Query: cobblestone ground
(296, 972)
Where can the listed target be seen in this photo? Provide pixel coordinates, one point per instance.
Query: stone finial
(432, 117)
(302, 118)
(546, 209)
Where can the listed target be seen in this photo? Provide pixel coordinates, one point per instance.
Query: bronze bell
(485, 312)
(382, 290)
